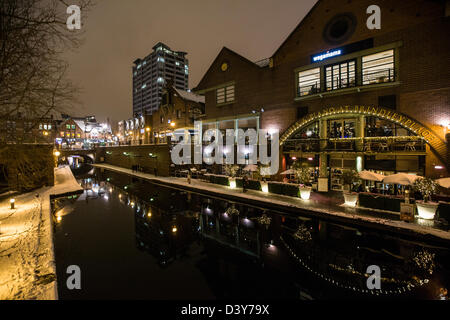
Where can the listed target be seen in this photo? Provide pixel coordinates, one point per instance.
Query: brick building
(20, 128)
(343, 96)
(178, 110)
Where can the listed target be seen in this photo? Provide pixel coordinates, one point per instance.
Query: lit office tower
(152, 73)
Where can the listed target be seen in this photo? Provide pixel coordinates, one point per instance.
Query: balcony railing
(368, 145)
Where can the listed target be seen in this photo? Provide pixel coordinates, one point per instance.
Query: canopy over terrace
(371, 176)
(401, 178)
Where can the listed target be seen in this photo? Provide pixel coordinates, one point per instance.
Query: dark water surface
(133, 239)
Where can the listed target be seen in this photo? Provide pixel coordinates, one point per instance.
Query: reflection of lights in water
(409, 284)
(105, 196)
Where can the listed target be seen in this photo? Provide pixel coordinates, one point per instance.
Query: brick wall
(138, 155)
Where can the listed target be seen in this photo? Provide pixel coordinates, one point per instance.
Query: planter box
(350, 199)
(254, 185)
(222, 180)
(426, 210)
(286, 189)
(379, 202)
(305, 193)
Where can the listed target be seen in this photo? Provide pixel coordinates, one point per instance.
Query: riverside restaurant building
(344, 96)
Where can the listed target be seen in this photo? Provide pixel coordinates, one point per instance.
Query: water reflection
(324, 258)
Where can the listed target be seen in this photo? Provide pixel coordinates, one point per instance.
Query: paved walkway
(27, 262)
(319, 205)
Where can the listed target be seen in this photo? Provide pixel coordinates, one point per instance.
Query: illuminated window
(73, 126)
(340, 75)
(225, 94)
(67, 126)
(378, 67)
(309, 82)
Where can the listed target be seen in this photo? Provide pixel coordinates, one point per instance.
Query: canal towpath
(27, 260)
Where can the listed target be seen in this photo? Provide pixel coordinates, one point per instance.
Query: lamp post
(12, 201)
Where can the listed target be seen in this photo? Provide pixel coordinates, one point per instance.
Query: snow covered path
(317, 207)
(27, 263)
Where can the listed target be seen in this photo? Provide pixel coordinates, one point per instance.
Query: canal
(133, 239)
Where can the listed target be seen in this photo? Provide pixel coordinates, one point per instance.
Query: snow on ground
(286, 201)
(27, 262)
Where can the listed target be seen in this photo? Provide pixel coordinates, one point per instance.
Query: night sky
(116, 32)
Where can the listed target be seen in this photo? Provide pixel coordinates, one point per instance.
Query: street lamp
(12, 201)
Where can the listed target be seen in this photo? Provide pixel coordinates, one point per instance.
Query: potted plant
(427, 187)
(351, 180)
(303, 176)
(231, 171)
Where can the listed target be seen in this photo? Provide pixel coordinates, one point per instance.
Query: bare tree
(33, 36)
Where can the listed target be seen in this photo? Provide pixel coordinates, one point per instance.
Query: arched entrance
(360, 137)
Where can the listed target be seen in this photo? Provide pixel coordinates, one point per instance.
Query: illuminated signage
(327, 55)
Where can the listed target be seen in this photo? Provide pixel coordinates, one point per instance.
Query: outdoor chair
(410, 146)
(383, 146)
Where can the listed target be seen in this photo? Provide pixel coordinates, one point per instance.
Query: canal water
(133, 239)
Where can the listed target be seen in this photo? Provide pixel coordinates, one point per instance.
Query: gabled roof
(190, 96)
(226, 50)
(297, 27)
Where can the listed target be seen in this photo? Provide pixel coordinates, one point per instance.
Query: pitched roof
(297, 27)
(190, 96)
(225, 49)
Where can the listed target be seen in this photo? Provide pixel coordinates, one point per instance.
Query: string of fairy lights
(403, 289)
